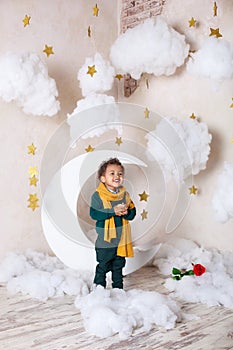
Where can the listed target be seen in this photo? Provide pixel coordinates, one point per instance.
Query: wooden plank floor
(26, 323)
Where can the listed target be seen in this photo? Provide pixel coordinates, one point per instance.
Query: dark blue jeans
(109, 261)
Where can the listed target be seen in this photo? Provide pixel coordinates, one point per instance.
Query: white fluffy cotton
(214, 287)
(42, 276)
(152, 47)
(181, 147)
(24, 78)
(214, 60)
(113, 311)
(222, 202)
(101, 81)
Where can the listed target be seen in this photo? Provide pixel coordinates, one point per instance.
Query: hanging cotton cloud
(222, 202)
(107, 114)
(100, 81)
(113, 311)
(151, 47)
(42, 276)
(214, 287)
(214, 60)
(24, 78)
(181, 147)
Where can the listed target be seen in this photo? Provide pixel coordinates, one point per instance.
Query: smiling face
(113, 177)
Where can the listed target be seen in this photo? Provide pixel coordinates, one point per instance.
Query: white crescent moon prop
(65, 235)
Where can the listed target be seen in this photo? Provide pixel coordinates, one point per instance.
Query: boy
(112, 207)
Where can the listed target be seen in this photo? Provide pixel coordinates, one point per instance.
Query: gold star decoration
(193, 190)
(231, 106)
(144, 214)
(31, 149)
(215, 32)
(143, 196)
(95, 10)
(215, 8)
(26, 20)
(146, 113)
(32, 171)
(118, 141)
(89, 149)
(192, 116)
(119, 76)
(91, 70)
(190, 53)
(33, 199)
(192, 22)
(33, 180)
(89, 31)
(48, 50)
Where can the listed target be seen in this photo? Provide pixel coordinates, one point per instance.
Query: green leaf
(176, 271)
(177, 278)
(189, 273)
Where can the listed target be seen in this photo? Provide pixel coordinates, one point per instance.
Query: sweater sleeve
(97, 211)
(131, 214)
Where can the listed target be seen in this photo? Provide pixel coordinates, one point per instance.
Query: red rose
(199, 269)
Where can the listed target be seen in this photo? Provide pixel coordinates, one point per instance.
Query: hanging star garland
(32, 171)
(192, 22)
(215, 32)
(89, 149)
(91, 70)
(31, 149)
(118, 141)
(48, 50)
(193, 190)
(26, 20)
(33, 199)
(143, 196)
(215, 8)
(95, 11)
(119, 76)
(33, 180)
(144, 214)
(89, 31)
(146, 113)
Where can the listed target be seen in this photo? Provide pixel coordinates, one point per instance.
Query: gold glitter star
(119, 76)
(215, 8)
(48, 50)
(31, 149)
(95, 10)
(33, 199)
(32, 171)
(144, 214)
(89, 31)
(146, 113)
(192, 116)
(193, 190)
(192, 22)
(215, 32)
(26, 20)
(33, 180)
(89, 149)
(91, 70)
(143, 196)
(118, 141)
(231, 106)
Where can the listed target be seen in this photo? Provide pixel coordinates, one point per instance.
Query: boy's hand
(121, 209)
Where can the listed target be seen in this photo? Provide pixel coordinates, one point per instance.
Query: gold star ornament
(144, 214)
(48, 50)
(89, 149)
(146, 113)
(119, 76)
(231, 106)
(26, 20)
(192, 116)
(215, 32)
(215, 8)
(31, 149)
(91, 70)
(143, 196)
(192, 22)
(118, 141)
(32, 171)
(95, 11)
(193, 190)
(33, 201)
(33, 180)
(89, 31)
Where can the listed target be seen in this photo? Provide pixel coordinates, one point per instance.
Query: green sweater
(100, 214)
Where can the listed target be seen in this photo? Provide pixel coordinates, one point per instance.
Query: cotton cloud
(214, 60)
(106, 113)
(215, 287)
(181, 147)
(222, 201)
(151, 47)
(101, 81)
(24, 78)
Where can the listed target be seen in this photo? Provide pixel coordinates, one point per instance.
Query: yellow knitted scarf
(125, 247)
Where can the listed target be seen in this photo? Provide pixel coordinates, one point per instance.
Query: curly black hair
(104, 164)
